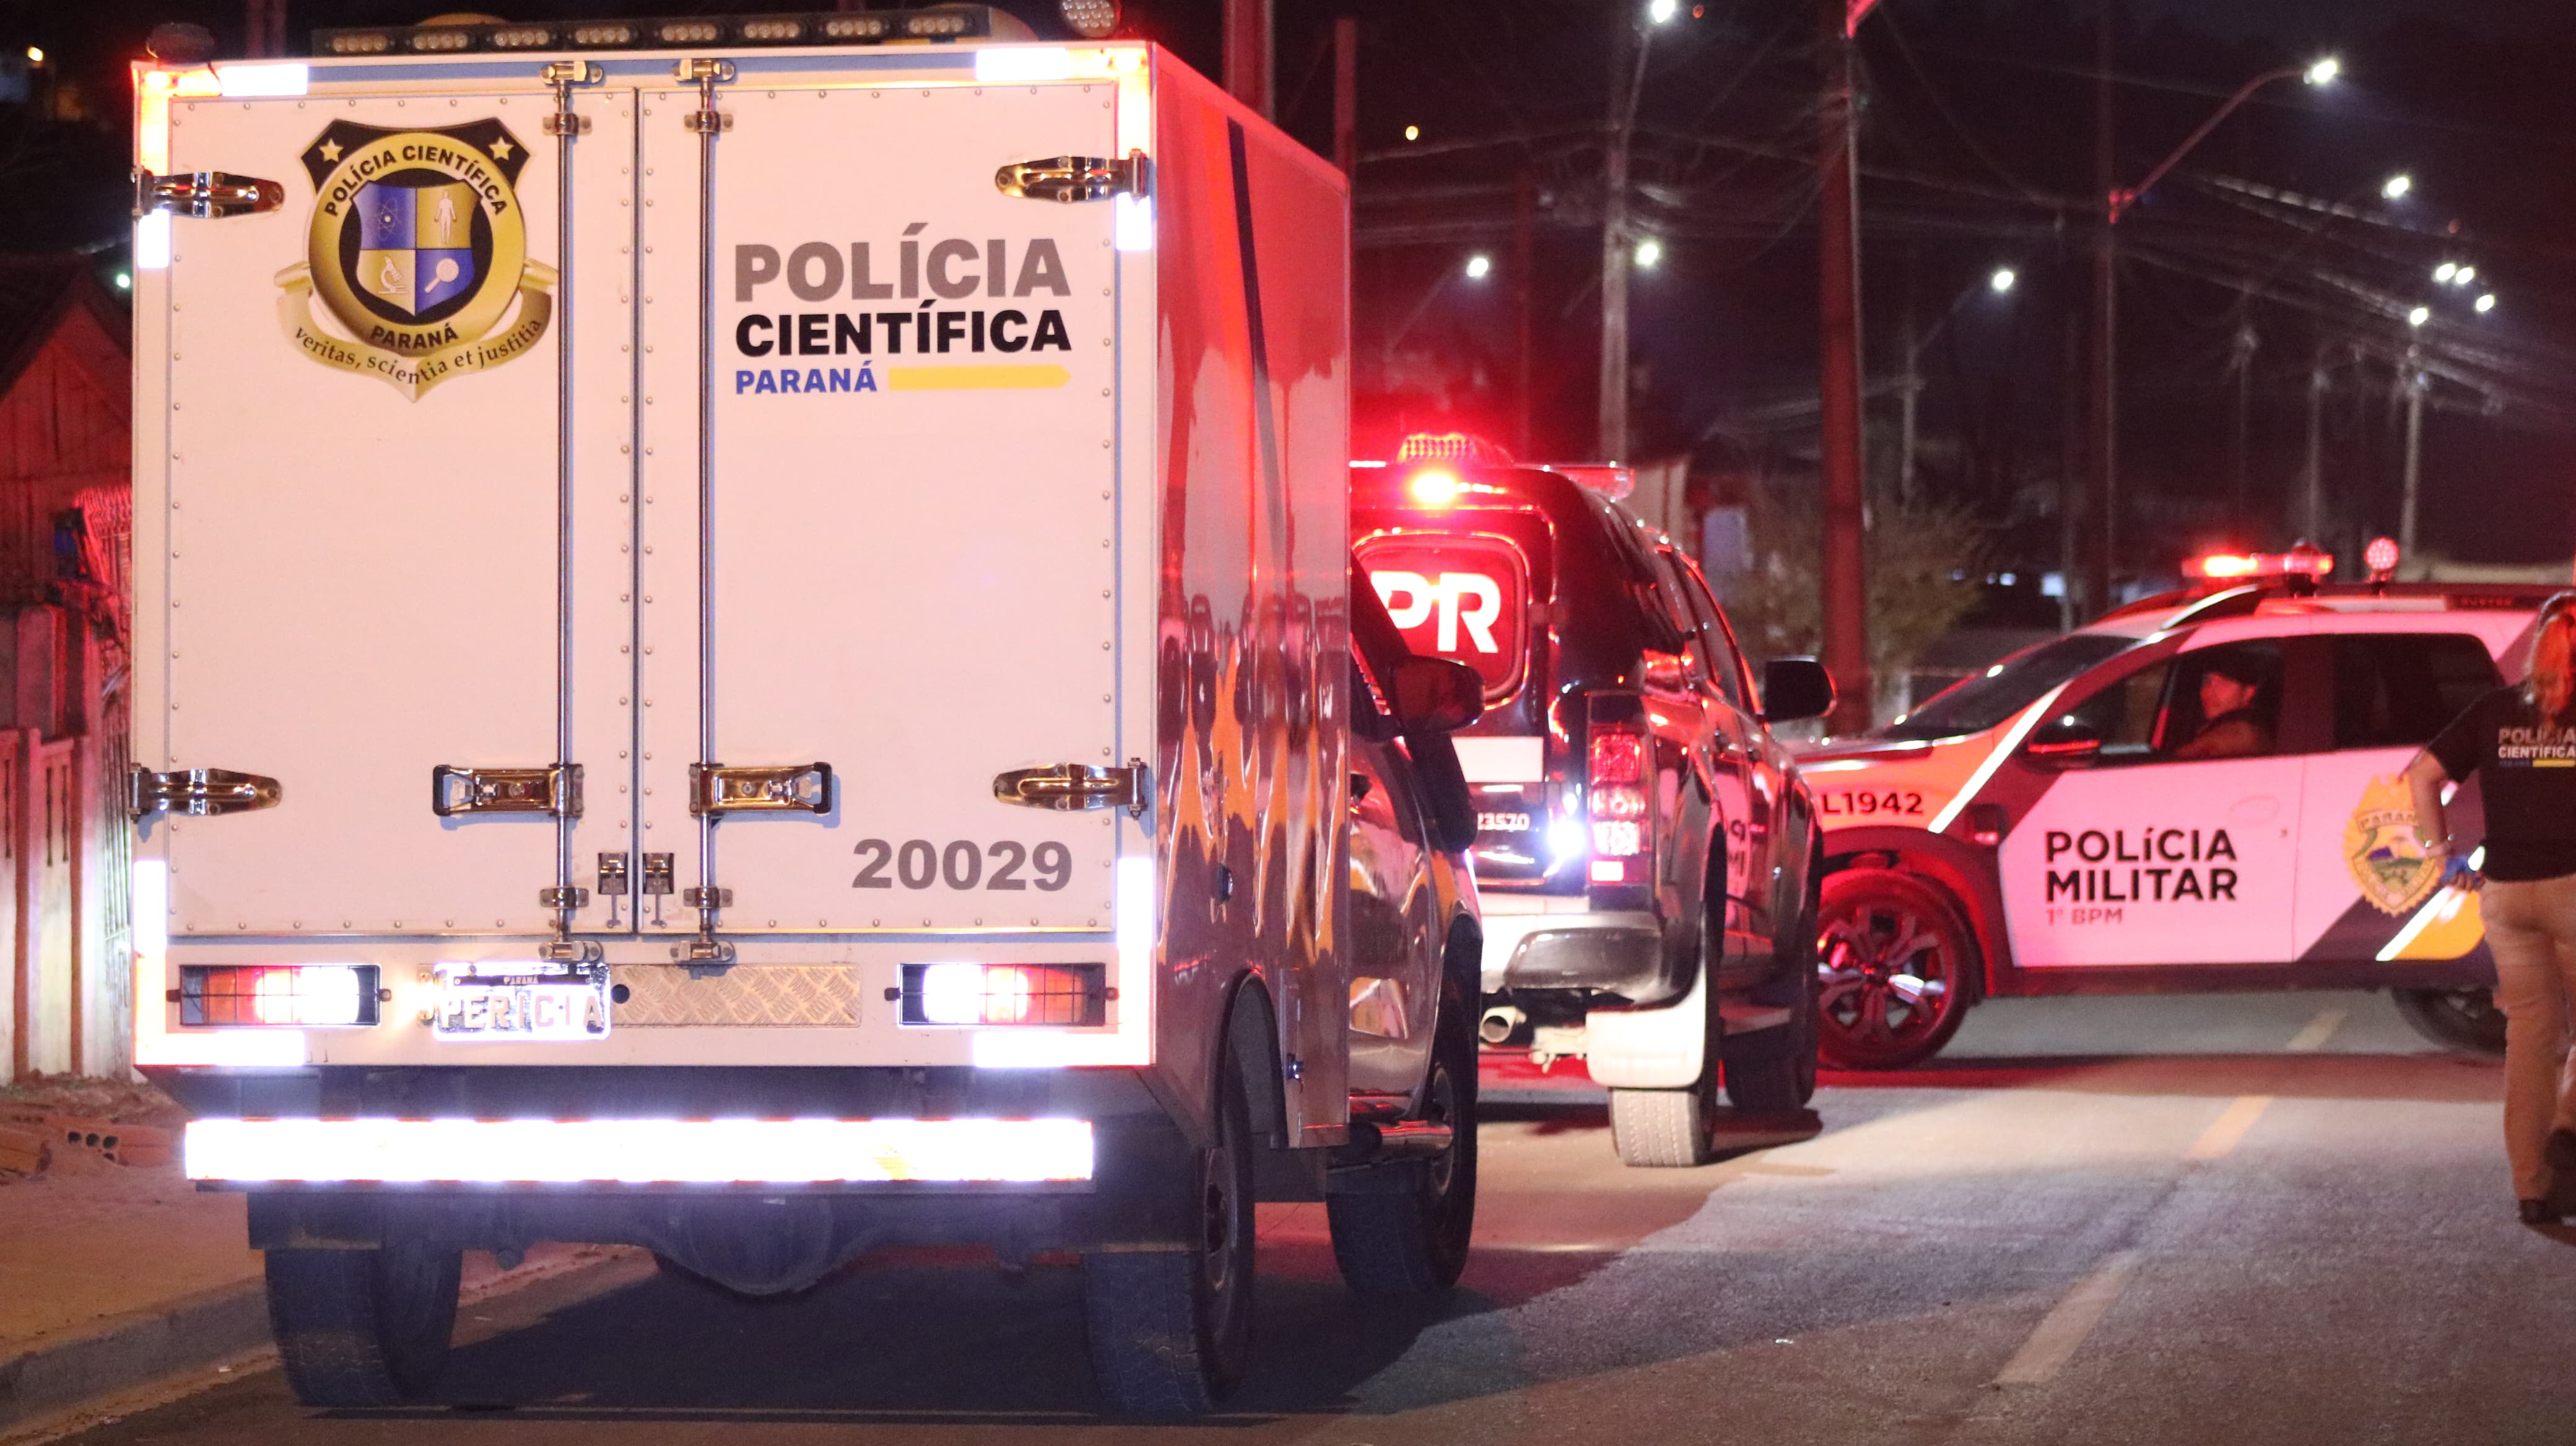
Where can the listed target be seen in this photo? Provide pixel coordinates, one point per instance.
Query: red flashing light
(1436, 487)
(2380, 557)
(2302, 560)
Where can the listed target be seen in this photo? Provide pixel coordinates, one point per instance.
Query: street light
(2396, 186)
(2002, 281)
(2419, 316)
(35, 55)
(1479, 266)
(1660, 11)
(1649, 251)
(2485, 304)
(2106, 292)
(2444, 272)
(2464, 276)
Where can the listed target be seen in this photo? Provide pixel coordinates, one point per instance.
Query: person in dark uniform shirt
(2231, 727)
(2520, 742)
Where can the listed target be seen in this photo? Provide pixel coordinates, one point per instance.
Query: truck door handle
(781, 788)
(555, 791)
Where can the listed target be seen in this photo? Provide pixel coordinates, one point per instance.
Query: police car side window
(2124, 714)
(2396, 690)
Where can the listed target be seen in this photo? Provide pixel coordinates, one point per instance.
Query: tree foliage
(1924, 563)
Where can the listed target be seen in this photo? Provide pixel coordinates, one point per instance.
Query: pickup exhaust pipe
(1385, 1144)
(1499, 1024)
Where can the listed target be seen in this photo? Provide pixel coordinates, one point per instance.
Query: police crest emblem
(418, 253)
(2381, 849)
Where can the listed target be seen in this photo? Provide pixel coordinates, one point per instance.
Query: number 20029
(920, 864)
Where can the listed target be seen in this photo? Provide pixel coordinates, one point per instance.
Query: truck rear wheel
(363, 1327)
(1171, 1330)
(2465, 1020)
(1416, 1243)
(1895, 960)
(1773, 1071)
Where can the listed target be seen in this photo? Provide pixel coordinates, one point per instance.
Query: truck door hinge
(205, 193)
(196, 792)
(1078, 178)
(1073, 786)
(784, 788)
(554, 791)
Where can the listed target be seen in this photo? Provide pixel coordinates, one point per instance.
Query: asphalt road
(2194, 1220)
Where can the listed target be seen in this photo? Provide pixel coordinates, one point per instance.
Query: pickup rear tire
(2465, 1020)
(1897, 963)
(1416, 1243)
(1171, 1330)
(1660, 1129)
(1773, 1071)
(363, 1327)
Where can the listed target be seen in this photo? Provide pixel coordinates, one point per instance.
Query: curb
(42, 1386)
(133, 1350)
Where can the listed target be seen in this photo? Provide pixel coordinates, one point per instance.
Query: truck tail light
(1057, 994)
(1618, 805)
(277, 994)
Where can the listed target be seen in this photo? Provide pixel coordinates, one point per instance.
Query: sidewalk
(116, 1275)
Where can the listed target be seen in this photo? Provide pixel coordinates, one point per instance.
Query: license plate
(521, 1009)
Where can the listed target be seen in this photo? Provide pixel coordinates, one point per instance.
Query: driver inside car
(2232, 725)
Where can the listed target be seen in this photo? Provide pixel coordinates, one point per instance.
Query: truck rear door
(363, 559)
(886, 543)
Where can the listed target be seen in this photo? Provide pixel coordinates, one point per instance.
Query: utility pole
(2105, 417)
(1846, 585)
(1247, 53)
(2414, 455)
(1524, 304)
(1346, 96)
(2070, 470)
(2316, 474)
(1626, 57)
(1909, 400)
(264, 27)
(2246, 343)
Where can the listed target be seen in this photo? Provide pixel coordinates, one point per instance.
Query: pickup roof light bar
(935, 23)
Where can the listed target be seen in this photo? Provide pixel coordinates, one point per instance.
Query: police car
(2196, 792)
(1645, 853)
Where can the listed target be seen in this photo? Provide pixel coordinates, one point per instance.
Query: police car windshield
(1975, 704)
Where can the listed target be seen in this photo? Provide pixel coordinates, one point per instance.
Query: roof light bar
(934, 23)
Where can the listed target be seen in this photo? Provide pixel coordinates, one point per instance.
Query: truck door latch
(1073, 786)
(205, 193)
(1078, 178)
(555, 791)
(196, 792)
(785, 788)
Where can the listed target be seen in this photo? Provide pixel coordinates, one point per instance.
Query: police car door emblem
(417, 250)
(2380, 847)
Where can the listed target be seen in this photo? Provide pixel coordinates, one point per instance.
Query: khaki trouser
(2531, 930)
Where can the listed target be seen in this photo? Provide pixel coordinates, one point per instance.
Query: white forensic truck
(745, 646)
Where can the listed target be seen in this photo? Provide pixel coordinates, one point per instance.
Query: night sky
(1976, 145)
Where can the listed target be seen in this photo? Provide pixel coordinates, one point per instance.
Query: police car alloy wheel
(1895, 964)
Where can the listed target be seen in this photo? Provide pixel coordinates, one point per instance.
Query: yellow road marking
(2230, 1127)
(2319, 1030)
(2061, 1332)
(988, 378)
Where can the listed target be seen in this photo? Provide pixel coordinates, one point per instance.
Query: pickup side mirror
(1794, 689)
(1436, 695)
(2067, 742)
